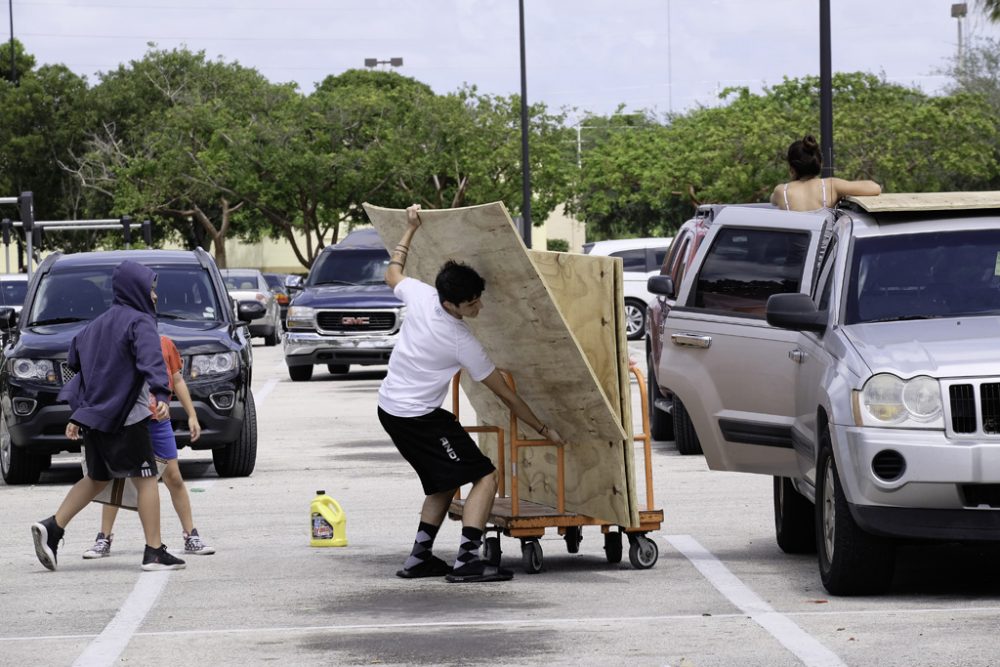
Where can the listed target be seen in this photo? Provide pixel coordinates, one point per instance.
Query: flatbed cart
(528, 521)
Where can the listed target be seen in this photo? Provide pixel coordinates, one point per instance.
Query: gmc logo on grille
(350, 320)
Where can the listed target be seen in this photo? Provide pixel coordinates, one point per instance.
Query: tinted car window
(12, 292)
(243, 280)
(275, 280)
(915, 276)
(354, 267)
(634, 260)
(746, 266)
(658, 255)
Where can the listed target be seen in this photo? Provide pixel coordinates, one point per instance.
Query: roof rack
(903, 202)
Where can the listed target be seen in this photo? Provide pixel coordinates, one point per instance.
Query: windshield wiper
(172, 316)
(901, 318)
(336, 282)
(56, 320)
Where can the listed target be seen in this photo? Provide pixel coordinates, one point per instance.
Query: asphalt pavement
(722, 593)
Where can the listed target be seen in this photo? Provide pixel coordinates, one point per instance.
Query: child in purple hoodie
(118, 363)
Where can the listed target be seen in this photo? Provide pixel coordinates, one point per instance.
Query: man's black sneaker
(159, 559)
(46, 535)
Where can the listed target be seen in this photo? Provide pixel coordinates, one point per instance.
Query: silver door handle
(798, 356)
(691, 340)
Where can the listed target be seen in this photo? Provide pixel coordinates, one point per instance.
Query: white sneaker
(101, 548)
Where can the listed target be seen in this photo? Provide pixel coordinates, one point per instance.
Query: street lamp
(958, 12)
(825, 89)
(525, 164)
(375, 62)
(13, 70)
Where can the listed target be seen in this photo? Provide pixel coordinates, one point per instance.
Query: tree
(991, 8)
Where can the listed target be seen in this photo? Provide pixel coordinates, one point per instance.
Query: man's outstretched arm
(397, 258)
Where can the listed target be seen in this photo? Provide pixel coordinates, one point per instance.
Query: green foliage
(557, 245)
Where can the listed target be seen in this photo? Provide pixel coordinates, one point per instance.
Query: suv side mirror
(795, 311)
(662, 285)
(8, 318)
(293, 283)
(249, 311)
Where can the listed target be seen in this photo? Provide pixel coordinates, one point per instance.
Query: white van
(642, 259)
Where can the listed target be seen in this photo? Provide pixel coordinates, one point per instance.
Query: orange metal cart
(528, 521)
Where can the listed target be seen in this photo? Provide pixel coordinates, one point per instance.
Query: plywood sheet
(525, 332)
(928, 201)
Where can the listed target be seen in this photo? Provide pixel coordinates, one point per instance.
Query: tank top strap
(822, 183)
(785, 193)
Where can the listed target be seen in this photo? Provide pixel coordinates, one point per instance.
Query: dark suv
(193, 309)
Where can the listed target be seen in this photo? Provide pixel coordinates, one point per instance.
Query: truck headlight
(40, 370)
(300, 317)
(212, 364)
(887, 400)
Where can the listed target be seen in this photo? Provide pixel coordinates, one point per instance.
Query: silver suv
(853, 355)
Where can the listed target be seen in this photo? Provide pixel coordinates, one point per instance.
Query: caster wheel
(573, 537)
(531, 556)
(642, 552)
(491, 550)
(613, 546)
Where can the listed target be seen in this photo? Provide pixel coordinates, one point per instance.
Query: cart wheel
(531, 556)
(613, 546)
(573, 537)
(491, 550)
(642, 552)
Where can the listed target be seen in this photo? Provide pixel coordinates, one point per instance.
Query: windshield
(350, 267)
(12, 292)
(919, 276)
(82, 293)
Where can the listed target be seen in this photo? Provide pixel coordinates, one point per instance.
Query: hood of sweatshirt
(131, 283)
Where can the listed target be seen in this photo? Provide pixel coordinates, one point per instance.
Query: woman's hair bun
(809, 142)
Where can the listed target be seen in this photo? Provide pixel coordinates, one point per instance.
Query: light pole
(525, 164)
(958, 12)
(825, 89)
(375, 62)
(13, 69)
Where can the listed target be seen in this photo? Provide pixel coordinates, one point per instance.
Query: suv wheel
(687, 438)
(635, 319)
(17, 465)
(661, 422)
(851, 561)
(272, 339)
(794, 519)
(300, 373)
(238, 458)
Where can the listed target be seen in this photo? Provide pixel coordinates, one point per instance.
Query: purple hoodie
(115, 353)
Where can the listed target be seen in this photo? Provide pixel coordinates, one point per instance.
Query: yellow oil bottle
(328, 522)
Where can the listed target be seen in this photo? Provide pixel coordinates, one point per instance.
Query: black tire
(613, 546)
(573, 537)
(794, 519)
(531, 556)
(635, 319)
(272, 339)
(661, 423)
(491, 550)
(684, 433)
(851, 561)
(239, 457)
(17, 465)
(338, 369)
(300, 373)
(642, 552)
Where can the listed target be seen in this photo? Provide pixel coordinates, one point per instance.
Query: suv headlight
(40, 370)
(212, 364)
(300, 317)
(886, 400)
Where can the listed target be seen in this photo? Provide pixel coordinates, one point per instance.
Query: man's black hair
(458, 283)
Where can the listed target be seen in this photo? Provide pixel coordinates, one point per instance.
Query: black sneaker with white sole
(46, 535)
(160, 559)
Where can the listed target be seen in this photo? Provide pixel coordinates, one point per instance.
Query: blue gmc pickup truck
(344, 313)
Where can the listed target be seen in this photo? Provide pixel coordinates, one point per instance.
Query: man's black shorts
(127, 453)
(438, 448)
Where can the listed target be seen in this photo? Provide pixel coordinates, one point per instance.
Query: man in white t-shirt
(433, 345)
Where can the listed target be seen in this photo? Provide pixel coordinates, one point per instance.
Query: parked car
(250, 285)
(13, 288)
(193, 309)
(851, 355)
(642, 258)
(343, 313)
(685, 244)
(276, 281)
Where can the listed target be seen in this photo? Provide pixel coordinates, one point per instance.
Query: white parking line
(108, 645)
(261, 394)
(805, 647)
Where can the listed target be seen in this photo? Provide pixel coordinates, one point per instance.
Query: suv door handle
(798, 356)
(691, 340)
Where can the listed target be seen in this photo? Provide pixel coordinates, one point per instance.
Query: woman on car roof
(807, 191)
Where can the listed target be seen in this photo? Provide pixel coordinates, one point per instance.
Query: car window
(185, 293)
(12, 292)
(746, 266)
(824, 280)
(655, 257)
(916, 276)
(634, 260)
(350, 267)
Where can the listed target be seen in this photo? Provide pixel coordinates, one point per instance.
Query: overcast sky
(585, 54)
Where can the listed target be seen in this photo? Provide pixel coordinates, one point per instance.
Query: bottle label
(321, 529)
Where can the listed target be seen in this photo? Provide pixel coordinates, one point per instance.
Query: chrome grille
(356, 321)
(974, 408)
(65, 373)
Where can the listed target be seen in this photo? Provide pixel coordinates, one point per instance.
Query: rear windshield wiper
(56, 320)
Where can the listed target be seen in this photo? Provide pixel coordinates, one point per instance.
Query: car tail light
(282, 298)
